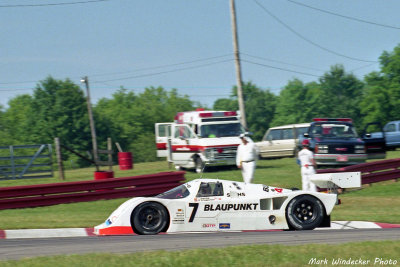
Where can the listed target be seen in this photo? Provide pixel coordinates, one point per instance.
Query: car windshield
(333, 130)
(221, 130)
(175, 193)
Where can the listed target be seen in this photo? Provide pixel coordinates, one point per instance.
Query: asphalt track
(32, 247)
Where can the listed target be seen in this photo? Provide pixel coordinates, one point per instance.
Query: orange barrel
(125, 160)
(101, 175)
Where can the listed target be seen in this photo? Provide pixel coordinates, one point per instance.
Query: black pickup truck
(335, 141)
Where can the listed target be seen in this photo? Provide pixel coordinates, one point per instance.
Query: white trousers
(307, 185)
(248, 169)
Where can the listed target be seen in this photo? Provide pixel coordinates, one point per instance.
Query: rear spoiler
(338, 179)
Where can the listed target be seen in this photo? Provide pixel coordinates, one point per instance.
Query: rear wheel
(149, 218)
(304, 212)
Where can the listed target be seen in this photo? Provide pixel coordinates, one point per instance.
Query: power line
(346, 17)
(273, 67)
(305, 39)
(54, 4)
(281, 62)
(164, 72)
(137, 70)
(162, 66)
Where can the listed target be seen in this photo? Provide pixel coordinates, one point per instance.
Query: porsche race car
(221, 205)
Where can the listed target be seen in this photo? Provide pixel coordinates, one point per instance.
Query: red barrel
(101, 175)
(125, 160)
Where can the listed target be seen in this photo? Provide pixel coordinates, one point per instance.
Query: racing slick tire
(149, 218)
(304, 212)
(198, 165)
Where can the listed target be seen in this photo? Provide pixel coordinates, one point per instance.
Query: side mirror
(368, 135)
(306, 135)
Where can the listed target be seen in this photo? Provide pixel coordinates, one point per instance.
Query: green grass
(378, 203)
(256, 255)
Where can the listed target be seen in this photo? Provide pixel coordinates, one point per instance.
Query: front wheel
(198, 165)
(304, 212)
(149, 218)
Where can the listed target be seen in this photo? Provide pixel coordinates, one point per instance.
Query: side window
(275, 135)
(301, 131)
(210, 189)
(164, 130)
(390, 128)
(287, 134)
(183, 131)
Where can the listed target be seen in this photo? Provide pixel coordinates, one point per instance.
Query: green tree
(16, 120)
(382, 97)
(260, 107)
(341, 95)
(59, 110)
(132, 117)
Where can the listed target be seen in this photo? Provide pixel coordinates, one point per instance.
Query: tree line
(57, 108)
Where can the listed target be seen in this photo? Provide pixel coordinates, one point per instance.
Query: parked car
(281, 141)
(392, 134)
(375, 142)
(335, 142)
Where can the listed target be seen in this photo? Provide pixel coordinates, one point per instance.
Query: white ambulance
(200, 138)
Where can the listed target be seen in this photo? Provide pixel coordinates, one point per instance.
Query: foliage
(382, 97)
(131, 117)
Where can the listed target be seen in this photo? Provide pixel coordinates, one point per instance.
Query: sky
(187, 44)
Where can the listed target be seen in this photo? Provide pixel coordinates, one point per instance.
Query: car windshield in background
(175, 193)
(333, 130)
(221, 130)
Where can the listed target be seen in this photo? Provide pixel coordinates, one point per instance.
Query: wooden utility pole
(59, 159)
(92, 128)
(237, 65)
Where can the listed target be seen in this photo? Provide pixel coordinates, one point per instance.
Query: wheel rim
(304, 211)
(150, 218)
(198, 165)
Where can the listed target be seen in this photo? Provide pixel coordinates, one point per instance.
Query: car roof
(297, 125)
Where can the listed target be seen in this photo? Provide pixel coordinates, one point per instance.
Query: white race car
(220, 205)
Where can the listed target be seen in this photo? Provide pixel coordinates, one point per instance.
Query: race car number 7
(195, 206)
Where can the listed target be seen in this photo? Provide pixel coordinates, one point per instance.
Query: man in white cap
(307, 162)
(246, 156)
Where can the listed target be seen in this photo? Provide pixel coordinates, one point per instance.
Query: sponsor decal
(208, 225)
(228, 207)
(266, 188)
(178, 221)
(224, 226)
(279, 190)
(341, 149)
(236, 195)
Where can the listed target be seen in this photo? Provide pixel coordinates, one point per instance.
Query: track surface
(20, 248)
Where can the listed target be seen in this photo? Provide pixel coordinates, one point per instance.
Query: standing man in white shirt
(307, 162)
(246, 156)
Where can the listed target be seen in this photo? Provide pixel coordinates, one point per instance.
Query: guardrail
(372, 172)
(69, 192)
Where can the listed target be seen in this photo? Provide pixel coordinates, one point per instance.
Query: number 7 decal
(195, 207)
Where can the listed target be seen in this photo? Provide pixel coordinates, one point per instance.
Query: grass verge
(368, 253)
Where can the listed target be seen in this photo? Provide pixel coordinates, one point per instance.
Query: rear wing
(339, 179)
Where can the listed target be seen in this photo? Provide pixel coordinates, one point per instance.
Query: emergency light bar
(217, 114)
(333, 119)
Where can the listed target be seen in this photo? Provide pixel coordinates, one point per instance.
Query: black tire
(149, 218)
(304, 212)
(198, 165)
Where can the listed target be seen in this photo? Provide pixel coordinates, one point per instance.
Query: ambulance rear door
(183, 146)
(163, 132)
